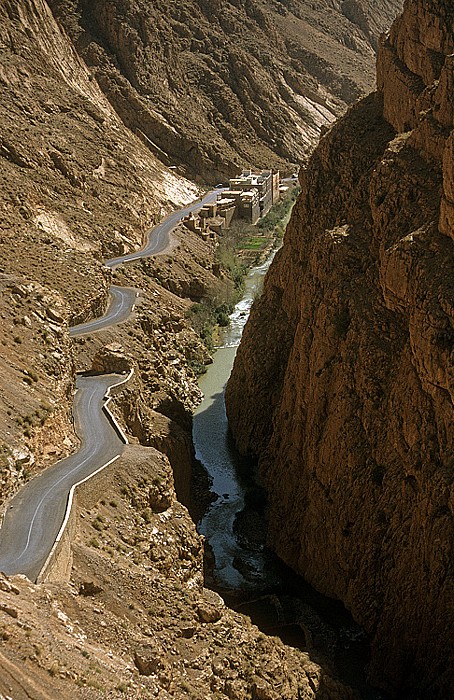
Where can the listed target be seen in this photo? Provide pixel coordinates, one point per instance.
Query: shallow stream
(215, 451)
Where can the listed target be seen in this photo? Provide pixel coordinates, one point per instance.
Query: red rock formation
(343, 383)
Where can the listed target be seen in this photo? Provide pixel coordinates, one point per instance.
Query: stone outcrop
(343, 383)
(111, 359)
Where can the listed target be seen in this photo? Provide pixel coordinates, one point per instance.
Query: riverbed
(215, 451)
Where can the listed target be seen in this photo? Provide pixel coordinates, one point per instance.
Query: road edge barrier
(61, 549)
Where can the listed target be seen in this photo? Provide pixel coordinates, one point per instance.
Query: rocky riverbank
(135, 620)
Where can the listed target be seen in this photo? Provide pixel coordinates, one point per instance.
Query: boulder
(149, 659)
(111, 358)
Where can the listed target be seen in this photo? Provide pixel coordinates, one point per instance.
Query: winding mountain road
(121, 304)
(123, 299)
(159, 236)
(35, 515)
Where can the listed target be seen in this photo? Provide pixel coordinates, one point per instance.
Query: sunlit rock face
(222, 85)
(343, 383)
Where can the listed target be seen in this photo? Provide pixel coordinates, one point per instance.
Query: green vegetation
(205, 316)
(35, 419)
(278, 216)
(122, 687)
(243, 239)
(147, 515)
(54, 669)
(99, 523)
(227, 257)
(254, 243)
(240, 246)
(5, 454)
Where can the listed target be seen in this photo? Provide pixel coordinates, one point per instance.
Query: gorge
(342, 385)
(238, 563)
(114, 114)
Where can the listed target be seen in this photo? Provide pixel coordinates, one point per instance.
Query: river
(242, 569)
(215, 451)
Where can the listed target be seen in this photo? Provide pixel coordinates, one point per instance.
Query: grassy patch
(255, 243)
(239, 241)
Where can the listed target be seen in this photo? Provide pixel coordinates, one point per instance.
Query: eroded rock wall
(343, 383)
(220, 86)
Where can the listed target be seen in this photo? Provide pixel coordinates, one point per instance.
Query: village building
(265, 182)
(249, 197)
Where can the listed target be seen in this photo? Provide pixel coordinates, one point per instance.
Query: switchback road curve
(35, 515)
(122, 299)
(159, 236)
(121, 304)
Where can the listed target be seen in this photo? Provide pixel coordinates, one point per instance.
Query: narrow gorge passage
(216, 453)
(239, 565)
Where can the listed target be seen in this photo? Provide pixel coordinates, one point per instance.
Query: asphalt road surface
(159, 236)
(35, 515)
(122, 300)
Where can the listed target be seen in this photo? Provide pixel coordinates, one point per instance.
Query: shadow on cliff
(276, 599)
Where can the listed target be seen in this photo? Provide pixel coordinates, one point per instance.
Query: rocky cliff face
(78, 186)
(343, 383)
(82, 177)
(218, 86)
(135, 621)
(83, 137)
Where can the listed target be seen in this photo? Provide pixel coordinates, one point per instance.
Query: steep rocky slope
(343, 382)
(135, 621)
(76, 186)
(218, 86)
(82, 179)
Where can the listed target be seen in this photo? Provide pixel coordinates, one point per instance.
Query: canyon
(214, 87)
(342, 386)
(113, 114)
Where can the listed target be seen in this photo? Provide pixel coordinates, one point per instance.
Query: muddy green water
(217, 454)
